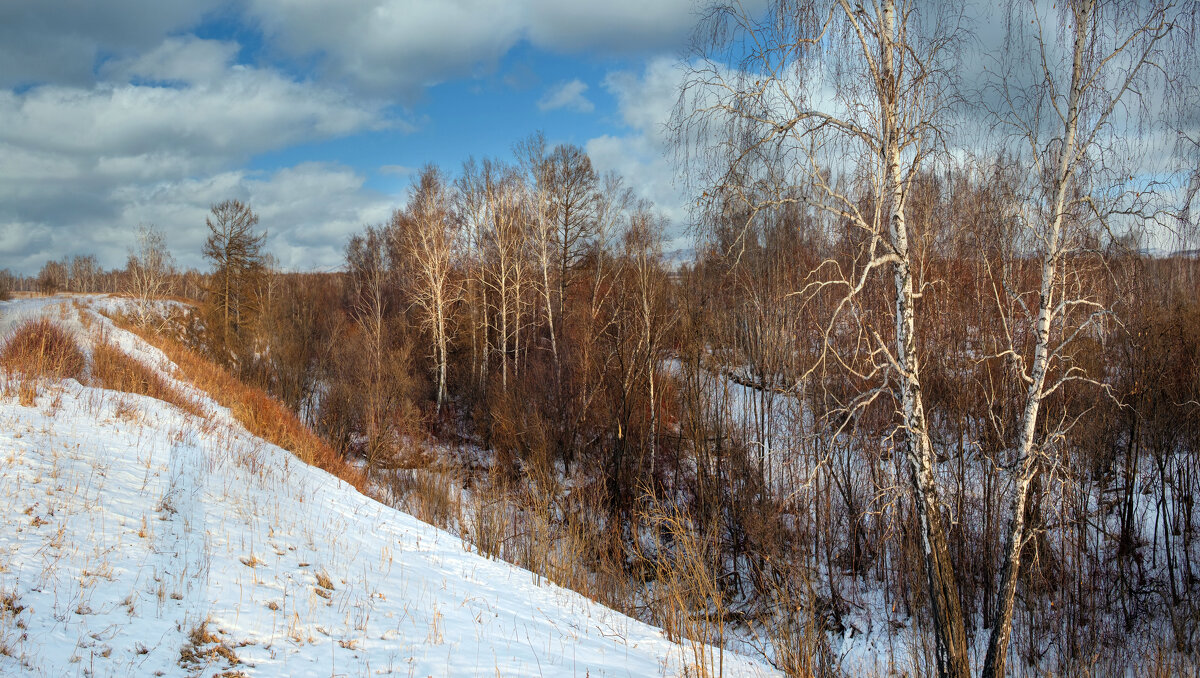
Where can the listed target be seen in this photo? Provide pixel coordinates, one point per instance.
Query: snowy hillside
(140, 540)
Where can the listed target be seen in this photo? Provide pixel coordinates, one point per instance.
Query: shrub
(41, 348)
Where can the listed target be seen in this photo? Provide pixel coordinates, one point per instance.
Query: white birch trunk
(994, 661)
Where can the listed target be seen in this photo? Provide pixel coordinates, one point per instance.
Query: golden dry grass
(116, 370)
(42, 348)
(261, 414)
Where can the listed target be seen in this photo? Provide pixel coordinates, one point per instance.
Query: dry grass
(42, 348)
(261, 414)
(324, 581)
(205, 649)
(38, 349)
(12, 628)
(431, 496)
(686, 567)
(116, 370)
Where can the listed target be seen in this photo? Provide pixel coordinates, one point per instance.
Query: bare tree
(471, 196)
(370, 307)
(1072, 110)
(643, 249)
(572, 208)
(423, 239)
(53, 277)
(505, 256)
(837, 106)
(84, 273)
(532, 156)
(149, 268)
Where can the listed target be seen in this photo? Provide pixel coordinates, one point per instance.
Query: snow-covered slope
(137, 540)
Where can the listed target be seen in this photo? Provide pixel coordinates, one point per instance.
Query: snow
(134, 530)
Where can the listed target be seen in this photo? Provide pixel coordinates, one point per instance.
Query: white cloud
(400, 47)
(393, 47)
(248, 111)
(397, 170)
(645, 99)
(157, 140)
(644, 155)
(612, 25)
(568, 95)
(112, 113)
(186, 60)
(309, 212)
(381, 47)
(60, 41)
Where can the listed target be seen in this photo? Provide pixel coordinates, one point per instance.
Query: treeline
(83, 274)
(521, 305)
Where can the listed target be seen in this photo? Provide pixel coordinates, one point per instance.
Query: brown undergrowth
(39, 349)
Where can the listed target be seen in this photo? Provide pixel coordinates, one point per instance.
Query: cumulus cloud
(379, 46)
(61, 41)
(568, 95)
(157, 139)
(611, 26)
(393, 47)
(183, 60)
(247, 111)
(117, 113)
(309, 212)
(643, 155)
(400, 47)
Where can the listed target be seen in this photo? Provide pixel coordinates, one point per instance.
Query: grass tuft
(42, 348)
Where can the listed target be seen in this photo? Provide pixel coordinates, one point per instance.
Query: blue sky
(476, 115)
(142, 111)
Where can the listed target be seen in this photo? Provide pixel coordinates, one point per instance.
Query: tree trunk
(948, 626)
(441, 350)
(993, 664)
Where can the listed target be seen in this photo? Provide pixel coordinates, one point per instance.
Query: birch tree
(149, 268)
(1079, 97)
(801, 103)
(532, 156)
(505, 260)
(472, 206)
(85, 270)
(423, 239)
(653, 316)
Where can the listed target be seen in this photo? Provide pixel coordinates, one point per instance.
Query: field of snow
(138, 540)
